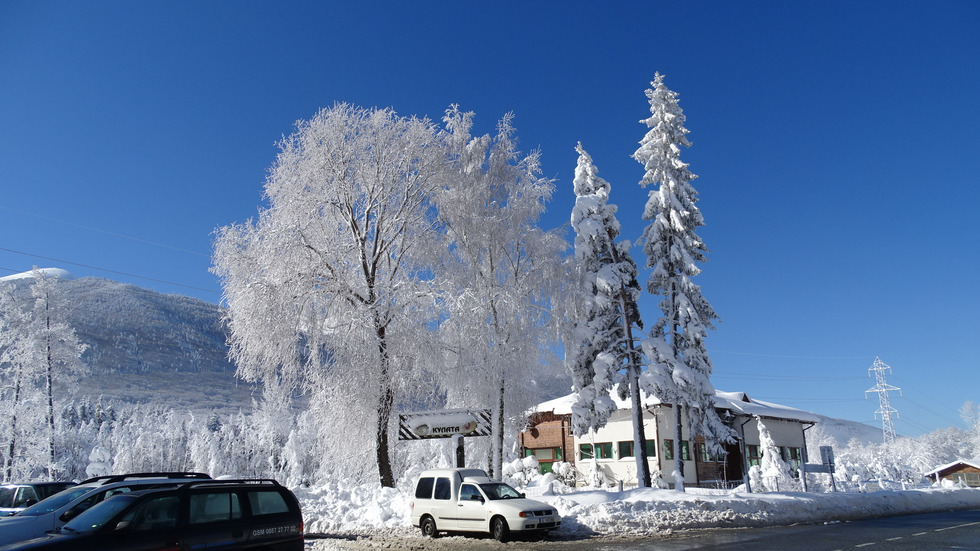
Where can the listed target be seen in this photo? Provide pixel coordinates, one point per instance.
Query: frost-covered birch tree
(602, 346)
(56, 349)
(499, 272)
(330, 288)
(38, 349)
(679, 368)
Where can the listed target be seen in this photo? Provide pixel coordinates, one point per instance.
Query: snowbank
(364, 512)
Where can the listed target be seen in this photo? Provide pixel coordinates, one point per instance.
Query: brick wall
(547, 430)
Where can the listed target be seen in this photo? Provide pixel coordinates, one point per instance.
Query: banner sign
(444, 424)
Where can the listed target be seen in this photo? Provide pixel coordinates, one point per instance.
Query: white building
(549, 438)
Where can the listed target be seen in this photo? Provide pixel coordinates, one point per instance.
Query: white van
(466, 500)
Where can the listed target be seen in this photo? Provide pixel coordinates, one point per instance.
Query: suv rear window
(267, 503)
(424, 489)
(214, 507)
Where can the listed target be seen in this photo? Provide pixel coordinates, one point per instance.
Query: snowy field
(378, 518)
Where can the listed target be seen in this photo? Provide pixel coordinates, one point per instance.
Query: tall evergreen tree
(603, 341)
(679, 368)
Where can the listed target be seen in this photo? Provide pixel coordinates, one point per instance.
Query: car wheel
(428, 526)
(499, 530)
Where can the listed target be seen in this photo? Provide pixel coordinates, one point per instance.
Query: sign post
(827, 465)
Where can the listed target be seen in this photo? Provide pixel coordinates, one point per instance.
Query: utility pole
(882, 388)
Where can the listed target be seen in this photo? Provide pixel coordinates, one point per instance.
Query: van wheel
(428, 526)
(499, 530)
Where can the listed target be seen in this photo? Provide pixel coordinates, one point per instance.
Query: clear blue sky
(836, 145)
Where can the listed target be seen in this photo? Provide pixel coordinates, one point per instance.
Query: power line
(111, 271)
(789, 356)
(114, 234)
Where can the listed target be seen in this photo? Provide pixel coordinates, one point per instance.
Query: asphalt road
(922, 532)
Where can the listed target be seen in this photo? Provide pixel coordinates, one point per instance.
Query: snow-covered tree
(499, 274)
(970, 413)
(38, 350)
(602, 345)
(330, 289)
(679, 368)
(774, 471)
(55, 347)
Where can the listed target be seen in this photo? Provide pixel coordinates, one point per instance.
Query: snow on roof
(49, 272)
(974, 463)
(738, 403)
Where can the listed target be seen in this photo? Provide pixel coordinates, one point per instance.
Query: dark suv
(230, 514)
(51, 513)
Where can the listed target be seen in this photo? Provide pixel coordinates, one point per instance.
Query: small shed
(961, 471)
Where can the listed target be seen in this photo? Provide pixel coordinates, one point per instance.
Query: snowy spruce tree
(602, 346)
(497, 276)
(679, 368)
(330, 290)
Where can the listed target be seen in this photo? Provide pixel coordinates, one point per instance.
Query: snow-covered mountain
(145, 346)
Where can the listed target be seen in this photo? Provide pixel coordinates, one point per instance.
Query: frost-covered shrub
(522, 471)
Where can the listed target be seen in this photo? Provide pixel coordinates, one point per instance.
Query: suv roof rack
(109, 479)
(222, 481)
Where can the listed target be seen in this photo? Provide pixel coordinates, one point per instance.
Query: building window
(753, 455)
(601, 451)
(792, 456)
(625, 450)
(669, 450)
(651, 448)
(545, 457)
(604, 450)
(707, 457)
(968, 479)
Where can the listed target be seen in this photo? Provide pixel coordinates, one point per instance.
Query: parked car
(230, 514)
(17, 497)
(466, 500)
(51, 513)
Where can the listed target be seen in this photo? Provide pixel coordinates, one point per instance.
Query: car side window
(443, 489)
(267, 502)
(214, 507)
(424, 489)
(25, 497)
(468, 492)
(154, 514)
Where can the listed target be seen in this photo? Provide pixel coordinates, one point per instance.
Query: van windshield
(499, 490)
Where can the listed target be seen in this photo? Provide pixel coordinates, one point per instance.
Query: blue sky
(836, 146)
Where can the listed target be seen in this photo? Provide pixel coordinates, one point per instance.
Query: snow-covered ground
(381, 515)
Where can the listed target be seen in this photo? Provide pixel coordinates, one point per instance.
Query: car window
(96, 517)
(7, 496)
(499, 490)
(25, 497)
(469, 492)
(443, 489)
(156, 513)
(214, 507)
(424, 489)
(56, 501)
(267, 502)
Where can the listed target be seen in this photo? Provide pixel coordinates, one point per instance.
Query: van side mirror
(476, 497)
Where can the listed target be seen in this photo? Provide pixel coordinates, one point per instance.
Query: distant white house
(549, 438)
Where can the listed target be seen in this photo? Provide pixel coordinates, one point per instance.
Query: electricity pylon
(882, 388)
